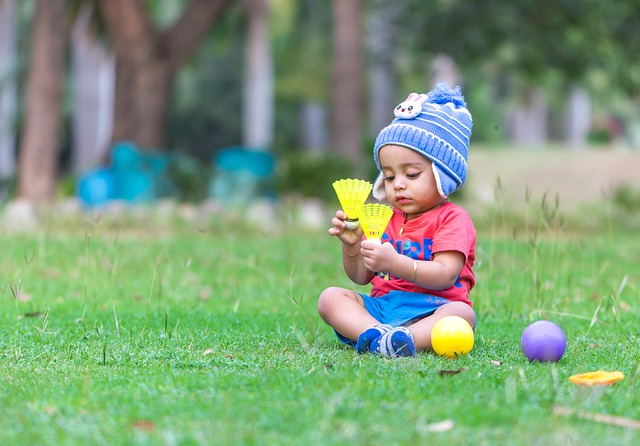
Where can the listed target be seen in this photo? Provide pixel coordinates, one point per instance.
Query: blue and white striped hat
(436, 125)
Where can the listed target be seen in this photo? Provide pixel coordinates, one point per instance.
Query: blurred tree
(147, 61)
(258, 107)
(347, 78)
(302, 56)
(38, 149)
(93, 80)
(558, 44)
(209, 86)
(383, 30)
(536, 39)
(8, 92)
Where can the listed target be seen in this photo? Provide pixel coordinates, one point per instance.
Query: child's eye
(389, 178)
(413, 175)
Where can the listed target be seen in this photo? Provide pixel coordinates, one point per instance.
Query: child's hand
(378, 257)
(340, 230)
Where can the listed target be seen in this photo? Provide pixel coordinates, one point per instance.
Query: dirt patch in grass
(577, 177)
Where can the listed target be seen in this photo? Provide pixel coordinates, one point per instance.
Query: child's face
(409, 181)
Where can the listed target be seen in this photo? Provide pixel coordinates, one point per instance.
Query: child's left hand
(378, 257)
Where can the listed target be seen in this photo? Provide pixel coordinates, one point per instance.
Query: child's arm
(353, 264)
(441, 272)
(438, 274)
(352, 259)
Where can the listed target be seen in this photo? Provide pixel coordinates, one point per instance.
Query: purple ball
(543, 341)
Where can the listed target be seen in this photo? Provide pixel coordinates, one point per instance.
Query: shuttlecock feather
(352, 194)
(374, 218)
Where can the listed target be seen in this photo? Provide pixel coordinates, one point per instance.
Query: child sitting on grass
(422, 270)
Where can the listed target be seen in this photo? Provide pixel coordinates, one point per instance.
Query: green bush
(626, 198)
(311, 174)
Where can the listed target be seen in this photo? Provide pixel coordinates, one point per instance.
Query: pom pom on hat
(436, 125)
(442, 94)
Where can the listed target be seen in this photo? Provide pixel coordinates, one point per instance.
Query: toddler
(422, 270)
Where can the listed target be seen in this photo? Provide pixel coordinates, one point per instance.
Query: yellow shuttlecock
(352, 194)
(374, 218)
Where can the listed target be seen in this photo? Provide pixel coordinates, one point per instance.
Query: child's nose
(399, 183)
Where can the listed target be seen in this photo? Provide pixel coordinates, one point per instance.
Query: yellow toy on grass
(452, 336)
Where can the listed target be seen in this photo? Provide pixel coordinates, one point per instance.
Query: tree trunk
(147, 60)
(577, 118)
(528, 123)
(444, 69)
(383, 27)
(8, 96)
(258, 107)
(313, 134)
(142, 97)
(38, 152)
(93, 76)
(346, 103)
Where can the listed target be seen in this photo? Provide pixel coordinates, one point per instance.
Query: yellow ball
(452, 336)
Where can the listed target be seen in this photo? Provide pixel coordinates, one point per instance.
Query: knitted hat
(437, 125)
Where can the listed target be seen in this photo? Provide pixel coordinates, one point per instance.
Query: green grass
(116, 335)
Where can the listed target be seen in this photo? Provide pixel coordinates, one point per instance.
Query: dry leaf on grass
(451, 372)
(144, 425)
(597, 378)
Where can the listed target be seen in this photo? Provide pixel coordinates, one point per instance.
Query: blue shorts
(399, 308)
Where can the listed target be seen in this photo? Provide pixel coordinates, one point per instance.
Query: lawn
(117, 333)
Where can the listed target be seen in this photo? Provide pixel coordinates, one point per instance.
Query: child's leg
(344, 310)
(421, 330)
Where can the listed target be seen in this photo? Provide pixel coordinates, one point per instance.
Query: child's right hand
(339, 229)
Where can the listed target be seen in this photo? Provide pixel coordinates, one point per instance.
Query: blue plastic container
(240, 175)
(137, 173)
(96, 188)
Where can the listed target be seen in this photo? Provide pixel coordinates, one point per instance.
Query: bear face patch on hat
(437, 125)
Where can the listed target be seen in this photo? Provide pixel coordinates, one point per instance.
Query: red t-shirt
(446, 228)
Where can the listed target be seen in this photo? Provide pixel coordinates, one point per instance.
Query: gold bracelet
(349, 255)
(415, 270)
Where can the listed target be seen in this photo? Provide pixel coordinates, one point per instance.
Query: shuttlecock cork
(352, 194)
(374, 219)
